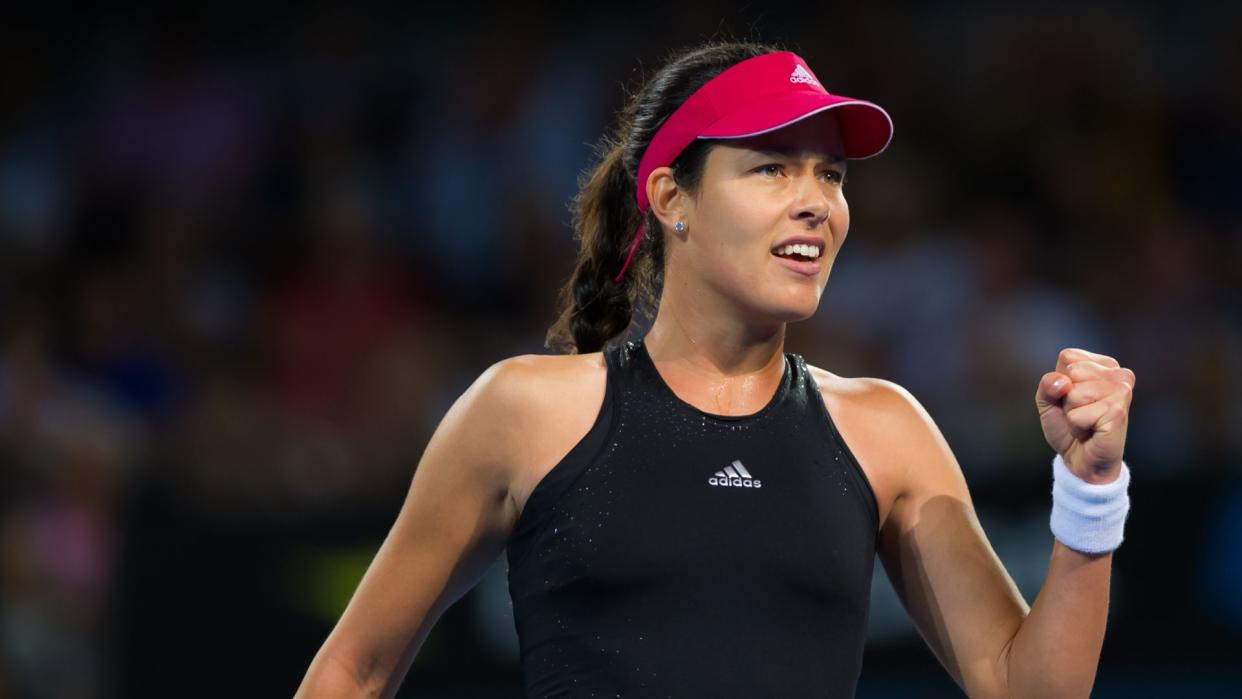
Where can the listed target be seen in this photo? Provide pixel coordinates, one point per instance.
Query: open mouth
(800, 261)
(799, 252)
(797, 256)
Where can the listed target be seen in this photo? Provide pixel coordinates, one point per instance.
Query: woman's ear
(668, 201)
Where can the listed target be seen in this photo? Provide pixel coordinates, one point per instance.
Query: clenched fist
(1084, 407)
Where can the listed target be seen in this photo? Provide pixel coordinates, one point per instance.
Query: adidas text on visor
(758, 95)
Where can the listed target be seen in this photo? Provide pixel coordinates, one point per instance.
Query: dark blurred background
(248, 261)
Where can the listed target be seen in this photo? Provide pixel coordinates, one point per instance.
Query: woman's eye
(775, 169)
(834, 176)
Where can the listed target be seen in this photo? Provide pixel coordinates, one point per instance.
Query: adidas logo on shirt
(802, 75)
(735, 475)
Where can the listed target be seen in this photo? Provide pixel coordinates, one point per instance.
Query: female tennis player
(696, 513)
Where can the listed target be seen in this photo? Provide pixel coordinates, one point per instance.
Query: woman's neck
(722, 370)
(713, 351)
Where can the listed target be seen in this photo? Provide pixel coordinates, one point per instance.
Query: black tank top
(677, 553)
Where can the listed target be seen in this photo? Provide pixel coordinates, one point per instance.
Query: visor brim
(866, 129)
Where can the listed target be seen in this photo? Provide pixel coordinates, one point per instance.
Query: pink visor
(758, 95)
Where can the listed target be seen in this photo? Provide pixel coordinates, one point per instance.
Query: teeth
(811, 251)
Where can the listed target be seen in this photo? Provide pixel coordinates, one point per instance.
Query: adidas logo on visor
(802, 75)
(735, 475)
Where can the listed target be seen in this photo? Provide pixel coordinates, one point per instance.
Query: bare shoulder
(512, 402)
(881, 423)
(866, 392)
(550, 403)
(555, 366)
(529, 382)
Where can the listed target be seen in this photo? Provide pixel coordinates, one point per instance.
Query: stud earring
(681, 226)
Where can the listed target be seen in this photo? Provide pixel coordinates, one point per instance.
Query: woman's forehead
(794, 152)
(744, 149)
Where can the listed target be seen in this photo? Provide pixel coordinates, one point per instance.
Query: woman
(696, 513)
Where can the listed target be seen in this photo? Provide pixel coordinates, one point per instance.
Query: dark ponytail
(594, 308)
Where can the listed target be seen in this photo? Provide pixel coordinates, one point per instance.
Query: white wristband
(1088, 517)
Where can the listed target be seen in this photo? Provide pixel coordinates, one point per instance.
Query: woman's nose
(812, 204)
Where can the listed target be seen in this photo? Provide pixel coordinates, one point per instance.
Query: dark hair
(593, 307)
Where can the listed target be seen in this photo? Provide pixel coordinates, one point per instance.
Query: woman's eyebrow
(791, 152)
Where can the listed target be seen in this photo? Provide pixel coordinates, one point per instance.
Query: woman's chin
(801, 314)
(795, 309)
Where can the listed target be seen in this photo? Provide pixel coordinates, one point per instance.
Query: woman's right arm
(455, 521)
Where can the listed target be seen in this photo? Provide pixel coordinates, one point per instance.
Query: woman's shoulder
(533, 391)
(527, 374)
(876, 406)
(879, 421)
(861, 392)
(548, 403)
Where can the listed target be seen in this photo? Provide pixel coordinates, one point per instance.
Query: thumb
(1052, 387)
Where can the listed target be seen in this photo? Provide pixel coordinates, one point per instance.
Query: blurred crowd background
(248, 261)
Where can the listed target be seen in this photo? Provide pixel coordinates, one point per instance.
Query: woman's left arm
(954, 587)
